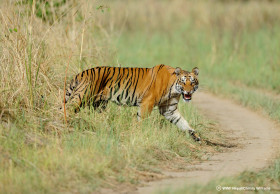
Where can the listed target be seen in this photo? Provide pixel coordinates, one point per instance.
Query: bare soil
(256, 135)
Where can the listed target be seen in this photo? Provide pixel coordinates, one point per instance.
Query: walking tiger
(146, 88)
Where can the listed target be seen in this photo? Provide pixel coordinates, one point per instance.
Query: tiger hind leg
(78, 98)
(100, 106)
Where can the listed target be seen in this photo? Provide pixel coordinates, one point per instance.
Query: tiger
(146, 88)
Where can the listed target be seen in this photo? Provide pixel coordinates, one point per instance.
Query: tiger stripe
(146, 88)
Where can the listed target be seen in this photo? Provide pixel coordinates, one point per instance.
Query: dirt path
(258, 136)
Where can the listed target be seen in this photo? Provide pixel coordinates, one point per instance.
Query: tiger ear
(177, 71)
(195, 71)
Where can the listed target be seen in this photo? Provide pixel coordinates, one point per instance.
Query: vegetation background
(234, 43)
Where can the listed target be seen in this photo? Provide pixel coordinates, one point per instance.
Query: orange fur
(159, 86)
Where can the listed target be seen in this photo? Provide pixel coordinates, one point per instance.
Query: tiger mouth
(187, 97)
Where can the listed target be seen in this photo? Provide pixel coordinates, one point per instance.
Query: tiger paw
(194, 135)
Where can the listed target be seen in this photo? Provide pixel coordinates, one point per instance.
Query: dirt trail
(257, 135)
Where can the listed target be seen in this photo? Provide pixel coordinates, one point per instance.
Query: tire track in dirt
(257, 135)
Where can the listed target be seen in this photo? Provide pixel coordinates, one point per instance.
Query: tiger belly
(124, 99)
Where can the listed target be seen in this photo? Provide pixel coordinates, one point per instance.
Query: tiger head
(187, 82)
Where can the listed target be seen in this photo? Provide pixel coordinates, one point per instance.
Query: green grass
(244, 67)
(238, 57)
(248, 73)
(39, 153)
(250, 58)
(96, 149)
(268, 178)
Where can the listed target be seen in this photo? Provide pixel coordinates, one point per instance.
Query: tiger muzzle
(187, 96)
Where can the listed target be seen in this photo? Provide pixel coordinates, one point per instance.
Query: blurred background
(235, 44)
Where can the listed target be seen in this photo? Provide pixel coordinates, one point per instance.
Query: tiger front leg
(172, 114)
(145, 109)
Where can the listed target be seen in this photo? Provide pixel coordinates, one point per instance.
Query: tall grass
(235, 45)
(237, 50)
(38, 152)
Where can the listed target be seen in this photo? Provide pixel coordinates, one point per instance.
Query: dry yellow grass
(38, 152)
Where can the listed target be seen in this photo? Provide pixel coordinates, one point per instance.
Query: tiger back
(146, 88)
